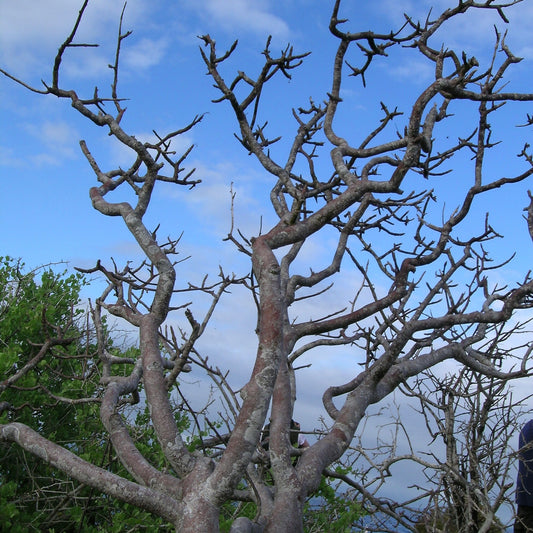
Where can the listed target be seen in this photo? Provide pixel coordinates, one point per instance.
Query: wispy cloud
(145, 54)
(473, 30)
(31, 32)
(211, 200)
(8, 157)
(241, 15)
(58, 137)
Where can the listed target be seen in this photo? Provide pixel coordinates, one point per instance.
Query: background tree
(475, 476)
(38, 325)
(51, 382)
(466, 465)
(426, 295)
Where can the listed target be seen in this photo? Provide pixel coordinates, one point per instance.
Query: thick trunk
(198, 515)
(157, 399)
(287, 514)
(258, 391)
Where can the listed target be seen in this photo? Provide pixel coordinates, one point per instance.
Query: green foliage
(41, 387)
(232, 510)
(32, 311)
(8, 510)
(29, 305)
(329, 510)
(35, 307)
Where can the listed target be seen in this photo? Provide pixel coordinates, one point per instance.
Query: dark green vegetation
(47, 360)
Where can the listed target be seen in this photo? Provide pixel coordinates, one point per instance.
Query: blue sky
(44, 175)
(45, 212)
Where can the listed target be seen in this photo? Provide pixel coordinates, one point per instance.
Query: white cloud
(242, 15)
(31, 32)
(472, 31)
(59, 139)
(145, 53)
(419, 70)
(211, 200)
(9, 158)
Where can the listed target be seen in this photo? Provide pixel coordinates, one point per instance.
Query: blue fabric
(524, 484)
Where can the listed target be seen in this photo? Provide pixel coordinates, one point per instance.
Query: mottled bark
(396, 324)
(150, 499)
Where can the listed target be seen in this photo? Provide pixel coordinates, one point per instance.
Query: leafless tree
(477, 427)
(425, 296)
(466, 462)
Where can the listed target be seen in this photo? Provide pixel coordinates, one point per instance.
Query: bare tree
(466, 464)
(397, 324)
(478, 421)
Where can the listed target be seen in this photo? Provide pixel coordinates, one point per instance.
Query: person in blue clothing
(524, 483)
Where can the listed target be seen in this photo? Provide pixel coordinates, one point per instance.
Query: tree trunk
(287, 514)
